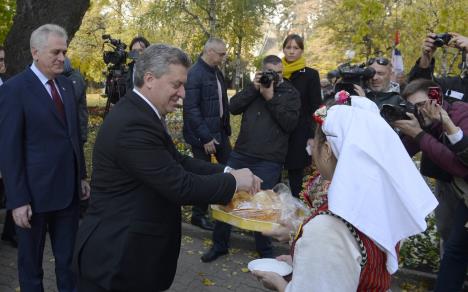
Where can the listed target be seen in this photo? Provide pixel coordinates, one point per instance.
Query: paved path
(228, 273)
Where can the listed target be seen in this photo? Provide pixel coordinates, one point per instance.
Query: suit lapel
(143, 106)
(43, 95)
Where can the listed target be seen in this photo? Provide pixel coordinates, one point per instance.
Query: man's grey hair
(212, 42)
(156, 60)
(40, 36)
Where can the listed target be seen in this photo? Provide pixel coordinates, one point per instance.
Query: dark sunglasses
(381, 61)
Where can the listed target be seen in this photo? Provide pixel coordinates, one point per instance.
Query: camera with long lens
(392, 113)
(350, 75)
(268, 77)
(116, 72)
(442, 39)
(118, 55)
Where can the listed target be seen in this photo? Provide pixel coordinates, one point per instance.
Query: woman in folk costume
(376, 198)
(307, 81)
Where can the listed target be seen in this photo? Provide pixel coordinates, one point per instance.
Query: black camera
(116, 70)
(392, 113)
(118, 55)
(268, 77)
(442, 39)
(350, 75)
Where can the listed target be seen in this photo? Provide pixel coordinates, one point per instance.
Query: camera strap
(463, 66)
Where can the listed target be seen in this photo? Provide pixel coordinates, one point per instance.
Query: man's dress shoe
(211, 255)
(202, 222)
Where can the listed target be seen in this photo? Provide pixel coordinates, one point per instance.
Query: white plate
(270, 265)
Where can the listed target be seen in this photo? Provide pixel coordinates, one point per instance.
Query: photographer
(137, 46)
(456, 87)
(440, 135)
(270, 110)
(381, 89)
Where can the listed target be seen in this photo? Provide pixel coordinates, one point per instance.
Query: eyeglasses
(380, 60)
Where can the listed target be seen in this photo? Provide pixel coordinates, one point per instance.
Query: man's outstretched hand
(246, 180)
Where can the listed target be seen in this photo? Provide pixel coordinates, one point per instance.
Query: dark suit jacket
(41, 156)
(129, 239)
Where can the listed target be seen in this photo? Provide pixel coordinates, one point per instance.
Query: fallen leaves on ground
(208, 282)
(207, 242)
(187, 239)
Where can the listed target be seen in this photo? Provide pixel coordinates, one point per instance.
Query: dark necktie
(57, 100)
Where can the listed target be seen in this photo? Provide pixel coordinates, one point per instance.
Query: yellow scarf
(290, 68)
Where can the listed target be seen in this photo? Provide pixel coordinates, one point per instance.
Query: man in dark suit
(206, 114)
(42, 160)
(129, 239)
(8, 233)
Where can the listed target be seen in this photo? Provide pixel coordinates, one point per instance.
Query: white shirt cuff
(455, 138)
(228, 169)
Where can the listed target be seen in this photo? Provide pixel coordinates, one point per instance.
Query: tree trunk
(212, 18)
(30, 14)
(238, 76)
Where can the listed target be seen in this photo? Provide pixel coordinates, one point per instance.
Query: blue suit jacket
(41, 158)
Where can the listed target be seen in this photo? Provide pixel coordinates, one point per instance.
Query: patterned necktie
(57, 100)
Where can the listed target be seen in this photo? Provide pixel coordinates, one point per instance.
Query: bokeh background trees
(251, 28)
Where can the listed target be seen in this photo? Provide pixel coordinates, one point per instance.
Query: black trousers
(223, 150)
(87, 286)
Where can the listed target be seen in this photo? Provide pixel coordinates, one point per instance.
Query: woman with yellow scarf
(307, 81)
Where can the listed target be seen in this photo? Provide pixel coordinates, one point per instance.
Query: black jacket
(129, 77)
(307, 82)
(450, 85)
(202, 121)
(266, 125)
(79, 87)
(129, 239)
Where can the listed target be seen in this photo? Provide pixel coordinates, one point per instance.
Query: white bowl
(270, 265)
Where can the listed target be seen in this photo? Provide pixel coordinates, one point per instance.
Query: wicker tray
(243, 223)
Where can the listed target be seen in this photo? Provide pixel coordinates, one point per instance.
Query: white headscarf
(376, 186)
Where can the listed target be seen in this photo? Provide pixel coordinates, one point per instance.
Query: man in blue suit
(42, 159)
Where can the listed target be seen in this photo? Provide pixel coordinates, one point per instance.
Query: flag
(397, 38)
(397, 61)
